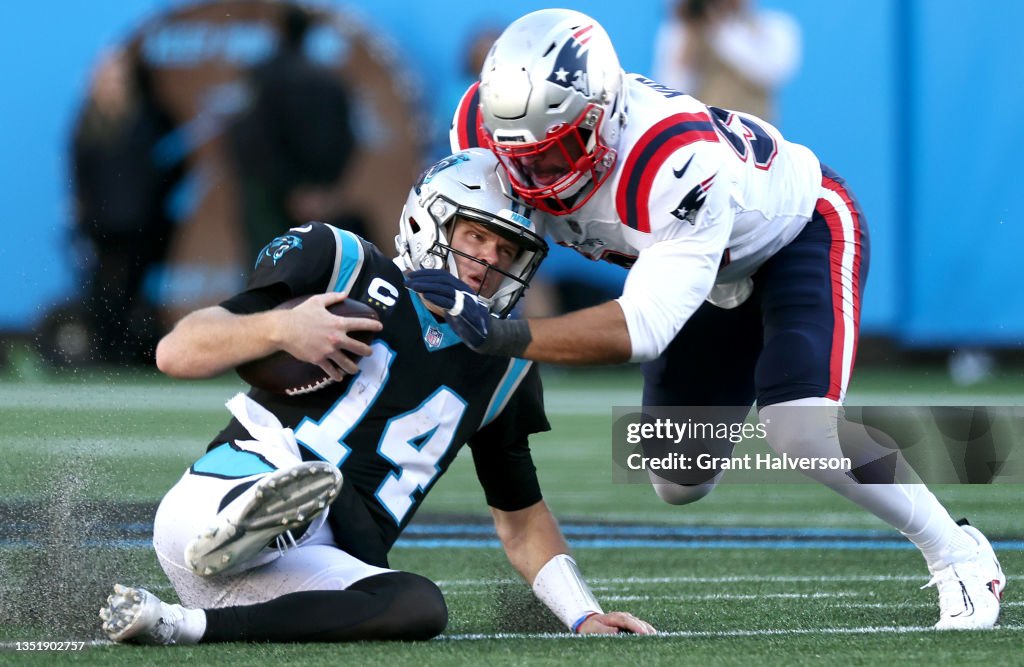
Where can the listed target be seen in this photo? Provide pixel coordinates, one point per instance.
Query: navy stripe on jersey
(643, 163)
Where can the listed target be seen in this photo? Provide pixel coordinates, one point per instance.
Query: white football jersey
(675, 153)
(698, 199)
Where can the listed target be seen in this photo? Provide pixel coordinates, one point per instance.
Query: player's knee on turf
(415, 608)
(424, 605)
(681, 494)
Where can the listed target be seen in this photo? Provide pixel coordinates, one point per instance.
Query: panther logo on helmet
(276, 249)
(429, 174)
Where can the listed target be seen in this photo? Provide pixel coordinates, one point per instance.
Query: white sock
(193, 626)
(809, 427)
(941, 541)
(915, 511)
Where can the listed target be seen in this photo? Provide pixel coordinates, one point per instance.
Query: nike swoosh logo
(307, 228)
(679, 172)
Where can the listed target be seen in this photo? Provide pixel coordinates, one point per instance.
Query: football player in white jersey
(747, 262)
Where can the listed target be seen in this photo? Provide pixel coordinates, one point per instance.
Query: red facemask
(543, 171)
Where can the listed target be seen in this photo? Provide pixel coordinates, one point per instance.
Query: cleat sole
(285, 500)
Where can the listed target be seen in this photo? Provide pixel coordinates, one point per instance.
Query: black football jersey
(395, 427)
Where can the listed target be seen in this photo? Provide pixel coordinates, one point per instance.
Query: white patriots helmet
(469, 185)
(552, 101)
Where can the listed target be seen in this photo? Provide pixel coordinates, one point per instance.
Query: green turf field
(777, 573)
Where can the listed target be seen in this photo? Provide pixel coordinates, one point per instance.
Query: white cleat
(136, 616)
(970, 590)
(282, 501)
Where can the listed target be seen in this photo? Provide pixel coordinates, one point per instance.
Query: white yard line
(701, 580)
(735, 596)
(694, 634)
(678, 634)
(904, 605)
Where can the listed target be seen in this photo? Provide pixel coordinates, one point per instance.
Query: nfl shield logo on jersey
(433, 337)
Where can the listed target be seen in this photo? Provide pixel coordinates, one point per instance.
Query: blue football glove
(467, 316)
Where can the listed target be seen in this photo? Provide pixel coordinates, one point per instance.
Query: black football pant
(394, 605)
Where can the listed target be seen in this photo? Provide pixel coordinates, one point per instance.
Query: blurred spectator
(292, 143)
(727, 53)
(477, 43)
(121, 196)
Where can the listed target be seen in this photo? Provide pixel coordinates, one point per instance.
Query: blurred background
(151, 148)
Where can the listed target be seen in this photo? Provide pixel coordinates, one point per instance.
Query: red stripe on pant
(841, 239)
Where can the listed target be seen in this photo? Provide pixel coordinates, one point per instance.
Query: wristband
(584, 617)
(506, 338)
(560, 586)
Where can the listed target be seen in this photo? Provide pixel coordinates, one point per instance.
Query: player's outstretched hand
(310, 332)
(615, 622)
(467, 316)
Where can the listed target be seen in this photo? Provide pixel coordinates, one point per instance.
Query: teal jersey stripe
(228, 461)
(348, 260)
(513, 376)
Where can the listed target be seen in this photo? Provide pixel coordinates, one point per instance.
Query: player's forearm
(536, 548)
(212, 340)
(531, 537)
(596, 335)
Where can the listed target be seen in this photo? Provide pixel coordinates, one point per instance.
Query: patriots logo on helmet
(694, 199)
(570, 70)
(276, 249)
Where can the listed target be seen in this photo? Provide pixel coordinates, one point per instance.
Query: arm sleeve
(501, 450)
(674, 275)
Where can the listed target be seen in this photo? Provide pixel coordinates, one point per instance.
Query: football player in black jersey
(281, 532)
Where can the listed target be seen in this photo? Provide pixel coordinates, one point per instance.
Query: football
(282, 373)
